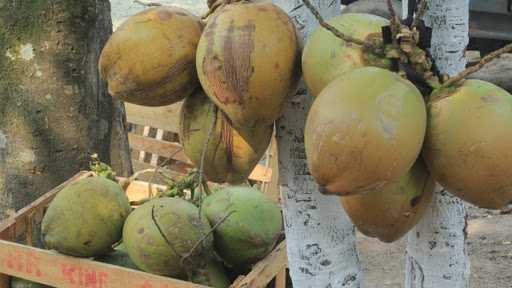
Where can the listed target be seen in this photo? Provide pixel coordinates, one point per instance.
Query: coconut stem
(422, 8)
(214, 5)
(203, 238)
(331, 28)
(150, 182)
(459, 77)
(153, 218)
(214, 110)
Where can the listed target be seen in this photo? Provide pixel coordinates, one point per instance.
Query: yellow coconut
(327, 57)
(248, 60)
(232, 152)
(363, 131)
(469, 140)
(150, 59)
(390, 212)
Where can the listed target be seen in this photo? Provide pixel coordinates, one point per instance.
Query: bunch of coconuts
(373, 138)
(234, 228)
(234, 72)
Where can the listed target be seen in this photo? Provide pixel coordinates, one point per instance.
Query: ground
(489, 244)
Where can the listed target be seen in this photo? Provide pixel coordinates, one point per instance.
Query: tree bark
(320, 237)
(54, 109)
(436, 251)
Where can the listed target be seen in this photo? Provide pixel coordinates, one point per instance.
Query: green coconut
(119, 258)
(86, 218)
(211, 274)
(364, 130)
(252, 228)
(248, 61)
(469, 140)
(389, 213)
(177, 220)
(150, 59)
(326, 57)
(232, 152)
(22, 283)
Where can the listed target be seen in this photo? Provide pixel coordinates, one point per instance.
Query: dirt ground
(490, 249)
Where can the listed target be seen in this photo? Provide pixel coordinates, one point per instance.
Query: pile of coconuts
(232, 229)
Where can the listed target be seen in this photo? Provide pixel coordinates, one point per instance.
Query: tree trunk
(436, 251)
(54, 110)
(320, 237)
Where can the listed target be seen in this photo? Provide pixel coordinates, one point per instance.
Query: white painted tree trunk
(320, 237)
(436, 251)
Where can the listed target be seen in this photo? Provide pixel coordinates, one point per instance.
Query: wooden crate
(153, 139)
(59, 270)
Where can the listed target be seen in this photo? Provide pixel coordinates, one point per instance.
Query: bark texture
(436, 248)
(54, 110)
(320, 237)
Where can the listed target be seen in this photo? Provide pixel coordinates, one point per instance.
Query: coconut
(22, 283)
(252, 228)
(390, 212)
(150, 59)
(364, 130)
(212, 274)
(326, 57)
(467, 146)
(248, 61)
(232, 152)
(159, 233)
(119, 258)
(86, 218)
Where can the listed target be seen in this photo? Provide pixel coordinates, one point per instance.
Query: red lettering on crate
(83, 277)
(148, 284)
(26, 262)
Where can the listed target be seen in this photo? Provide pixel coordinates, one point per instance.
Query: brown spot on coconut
(364, 130)
(238, 49)
(232, 152)
(389, 213)
(467, 146)
(150, 59)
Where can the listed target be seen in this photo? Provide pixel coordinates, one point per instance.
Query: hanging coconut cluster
(235, 70)
(380, 140)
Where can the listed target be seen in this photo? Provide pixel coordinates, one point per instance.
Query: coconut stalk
(320, 237)
(436, 252)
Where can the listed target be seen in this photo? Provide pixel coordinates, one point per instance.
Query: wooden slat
(159, 136)
(159, 147)
(138, 190)
(273, 186)
(263, 272)
(174, 171)
(281, 279)
(165, 117)
(59, 270)
(261, 173)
